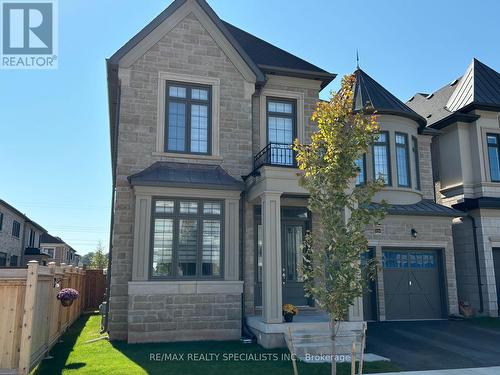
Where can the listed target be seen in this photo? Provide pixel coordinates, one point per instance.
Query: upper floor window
(16, 228)
(1, 221)
(494, 156)
(281, 123)
(188, 118)
(361, 164)
(402, 160)
(381, 158)
(32, 238)
(417, 162)
(187, 238)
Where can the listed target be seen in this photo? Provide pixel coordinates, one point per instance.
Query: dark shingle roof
(367, 90)
(423, 208)
(185, 175)
(479, 87)
(47, 238)
(269, 57)
(26, 218)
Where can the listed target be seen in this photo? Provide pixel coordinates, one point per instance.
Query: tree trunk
(334, 328)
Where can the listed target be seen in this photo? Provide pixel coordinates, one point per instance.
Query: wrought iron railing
(279, 154)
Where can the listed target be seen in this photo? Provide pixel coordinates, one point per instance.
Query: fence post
(28, 314)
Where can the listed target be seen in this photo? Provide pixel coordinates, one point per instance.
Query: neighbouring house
(208, 215)
(19, 238)
(59, 251)
(466, 161)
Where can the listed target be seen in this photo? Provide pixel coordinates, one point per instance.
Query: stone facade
(10, 245)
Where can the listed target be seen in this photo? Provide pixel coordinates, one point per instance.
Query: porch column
(271, 257)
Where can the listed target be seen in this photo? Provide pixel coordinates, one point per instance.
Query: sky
(54, 131)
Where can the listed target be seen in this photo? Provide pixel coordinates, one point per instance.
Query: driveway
(433, 345)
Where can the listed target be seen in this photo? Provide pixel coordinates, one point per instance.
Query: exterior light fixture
(414, 233)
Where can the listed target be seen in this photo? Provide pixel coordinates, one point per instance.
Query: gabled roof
(185, 175)
(26, 218)
(272, 59)
(478, 88)
(47, 238)
(367, 90)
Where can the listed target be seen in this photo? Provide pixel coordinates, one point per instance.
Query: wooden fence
(95, 289)
(31, 317)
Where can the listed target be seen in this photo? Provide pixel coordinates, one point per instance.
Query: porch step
(311, 344)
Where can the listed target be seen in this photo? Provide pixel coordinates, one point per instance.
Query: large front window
(281, 130)
(494, 156)
(381, 158)
(402, 160)
(187, 118)
(187, 238)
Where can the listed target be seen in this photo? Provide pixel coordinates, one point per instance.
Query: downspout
(113, 194)
(478, 268)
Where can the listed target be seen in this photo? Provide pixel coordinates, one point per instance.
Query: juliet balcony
(275, 154)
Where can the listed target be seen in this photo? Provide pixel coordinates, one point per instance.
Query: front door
(496, 262)
(292, 261)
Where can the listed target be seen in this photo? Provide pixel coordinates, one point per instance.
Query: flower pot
(66, 302)
(288, 317)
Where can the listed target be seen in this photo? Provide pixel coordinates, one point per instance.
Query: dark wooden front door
(292, 261)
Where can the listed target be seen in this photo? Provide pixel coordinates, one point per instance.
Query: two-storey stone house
(58, 251)
(466, 161)
(208, 216)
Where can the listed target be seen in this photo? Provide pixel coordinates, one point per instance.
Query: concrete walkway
(465, 371)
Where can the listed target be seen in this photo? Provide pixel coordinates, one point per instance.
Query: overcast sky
(54, 138)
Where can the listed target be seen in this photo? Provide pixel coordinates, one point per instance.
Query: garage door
(412, 284)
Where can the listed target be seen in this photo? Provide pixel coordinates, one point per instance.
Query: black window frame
(13, 264)
(16, 229)
(414, 141)
(3, 259)
(188, 101)
(176, 216)
(1, 221)
(361, 183)
(497, 147)
(32, 238)
(387, 145)
(292, 116)
(406, 147)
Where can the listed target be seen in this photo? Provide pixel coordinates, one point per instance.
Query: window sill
(173, 155)
(163, 287)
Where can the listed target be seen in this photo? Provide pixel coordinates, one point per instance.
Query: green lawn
(75, 355)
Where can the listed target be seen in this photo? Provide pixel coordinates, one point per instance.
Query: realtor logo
(29, 34)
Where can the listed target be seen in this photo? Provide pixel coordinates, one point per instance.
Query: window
(3, 259)
(32, 238)
(494, 156)
(281, 130)
(13, 260)
(16, 228)
(381, 158)
(187, 118)
(402, 160)
(186, 238)
(1, 221)
(417, 162)
(361, 164)
(49, 251)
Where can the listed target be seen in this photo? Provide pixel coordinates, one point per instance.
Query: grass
(76, 355)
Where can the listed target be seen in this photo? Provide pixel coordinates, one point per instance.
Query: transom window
(494, 156)
(403, 259)
(186, 238)
(402, 160)
(381, 158)
(281, 120)
(188, 118)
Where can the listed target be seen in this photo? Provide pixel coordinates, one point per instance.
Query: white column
(271, 258)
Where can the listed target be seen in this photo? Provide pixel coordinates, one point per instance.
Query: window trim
(407, 153)
(214, 83)
(188, 102)
(176, 216)
(497, 146)
(389, 164)
(416, 162)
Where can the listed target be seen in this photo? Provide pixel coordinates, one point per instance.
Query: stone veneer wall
(184, 317)
(433, 233)
(187, 49)
(9, 244)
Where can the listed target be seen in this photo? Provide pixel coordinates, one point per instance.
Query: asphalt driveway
(435, 345)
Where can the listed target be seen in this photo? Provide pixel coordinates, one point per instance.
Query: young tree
(99, 259)
(334, 275)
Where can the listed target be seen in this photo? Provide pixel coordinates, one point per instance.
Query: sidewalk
(464, 371)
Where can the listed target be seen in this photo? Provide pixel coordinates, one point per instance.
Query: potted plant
(67, 296)
(289, 311)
